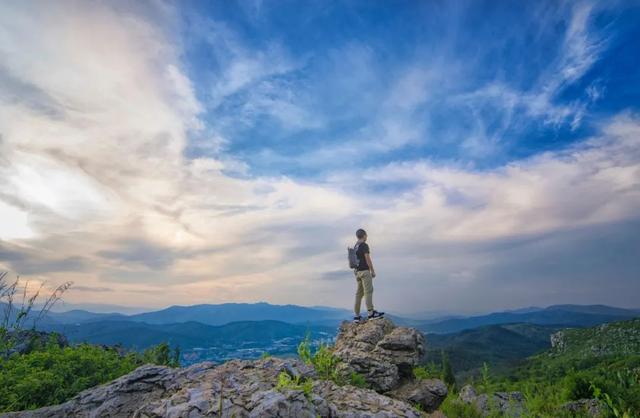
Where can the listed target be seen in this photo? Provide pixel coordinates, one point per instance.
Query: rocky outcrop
(385, 356)
(509, 403)
(238, 388)
(380, 351)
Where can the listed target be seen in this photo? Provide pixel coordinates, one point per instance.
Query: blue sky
(491, 81)
(206, 152)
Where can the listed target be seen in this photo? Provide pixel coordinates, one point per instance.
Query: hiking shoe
(375, 315)
(357, 319)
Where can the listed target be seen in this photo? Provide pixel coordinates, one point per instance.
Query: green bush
(325, 363)
(427, 371)
(51, 375)
(358, 380)
(323, 360)
(161, 354)
(286, 382)
(452, 408)
(576, 386)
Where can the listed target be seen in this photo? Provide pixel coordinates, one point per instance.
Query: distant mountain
(64, 306)
(595, 309)
(561, 315)
(500, 346)
(79, 315)
(233, 312)
(527, 309)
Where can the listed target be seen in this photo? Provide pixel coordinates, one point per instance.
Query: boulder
(585, 407)
(429, 393)
(381, 352)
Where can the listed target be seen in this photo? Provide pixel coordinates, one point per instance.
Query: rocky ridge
(381, 352)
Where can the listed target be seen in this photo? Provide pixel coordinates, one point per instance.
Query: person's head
(361, 234)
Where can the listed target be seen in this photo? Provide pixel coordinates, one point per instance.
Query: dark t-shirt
(362, 250)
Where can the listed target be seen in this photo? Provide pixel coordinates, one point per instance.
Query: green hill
(500, 346)
(581, 363)
(617, 338)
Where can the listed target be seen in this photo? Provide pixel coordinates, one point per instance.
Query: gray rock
(383, 353)
(509, 403)
(429, 394)
(585, 407)
(467, 394)
(351, 402)
(238, 388)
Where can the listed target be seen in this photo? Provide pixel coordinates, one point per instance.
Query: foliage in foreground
(547, 382)
(52, 374)
(325, 363)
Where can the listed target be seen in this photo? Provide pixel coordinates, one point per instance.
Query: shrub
(286, 382)
(304, 349)
(358, 380)
(161, 354)
(323, 360)
(325, 363)
(51, 374)
(447, 371)
(427, 371)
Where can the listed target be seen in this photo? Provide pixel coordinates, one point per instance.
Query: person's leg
(359, 294)
(367, 284)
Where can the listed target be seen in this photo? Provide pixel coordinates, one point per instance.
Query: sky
(175, 153)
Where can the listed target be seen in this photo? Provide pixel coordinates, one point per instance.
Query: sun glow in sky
(160, 153)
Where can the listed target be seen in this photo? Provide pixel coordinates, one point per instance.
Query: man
(364, 277)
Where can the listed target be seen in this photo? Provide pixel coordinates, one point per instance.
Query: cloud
(116, 172)
(135, 251)
(81, 288)
(26, 260)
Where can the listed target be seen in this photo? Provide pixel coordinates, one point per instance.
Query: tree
(447, 372)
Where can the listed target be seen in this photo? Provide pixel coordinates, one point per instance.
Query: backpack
(354, 262)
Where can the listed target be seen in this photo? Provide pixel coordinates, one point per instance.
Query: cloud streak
(119, 173)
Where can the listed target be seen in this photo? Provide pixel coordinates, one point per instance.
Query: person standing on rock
(364, 273)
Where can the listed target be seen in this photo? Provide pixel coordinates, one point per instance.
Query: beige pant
(365, 288)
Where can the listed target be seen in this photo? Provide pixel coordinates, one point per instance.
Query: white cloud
(93, 173)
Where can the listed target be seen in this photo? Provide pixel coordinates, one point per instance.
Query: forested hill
(615, 338)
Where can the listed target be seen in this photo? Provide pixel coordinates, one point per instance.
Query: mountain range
(558, 315)
(210, 314)
(232, 330)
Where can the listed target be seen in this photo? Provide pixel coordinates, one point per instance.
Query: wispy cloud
(127, 171)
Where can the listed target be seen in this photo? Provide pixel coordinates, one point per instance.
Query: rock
(467, 394)
(347, 401)
(585, 407)
(558, 342)
(429, 394)
(509, 403)
(381, 352)
(239, 388)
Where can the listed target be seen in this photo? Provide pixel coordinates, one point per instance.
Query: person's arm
(370, 264)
